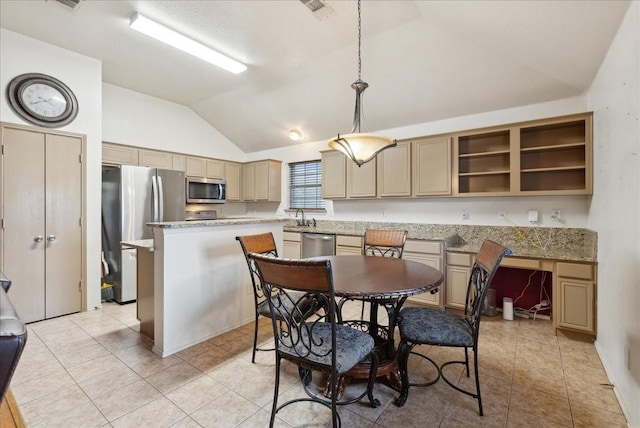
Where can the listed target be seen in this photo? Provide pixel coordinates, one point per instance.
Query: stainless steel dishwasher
(318, 244)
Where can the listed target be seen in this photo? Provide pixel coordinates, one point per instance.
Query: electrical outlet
(502, 215)
(556, 214)
(627, 356)
(465, 215)
(533, 216)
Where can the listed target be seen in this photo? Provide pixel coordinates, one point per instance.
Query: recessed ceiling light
(295, 134)
(158, 31)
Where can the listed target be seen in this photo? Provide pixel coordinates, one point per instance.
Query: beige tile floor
(94, 369)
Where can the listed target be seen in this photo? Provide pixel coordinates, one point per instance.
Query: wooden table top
(381, 277)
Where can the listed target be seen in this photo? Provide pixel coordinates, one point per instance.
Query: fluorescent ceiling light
(160, 32)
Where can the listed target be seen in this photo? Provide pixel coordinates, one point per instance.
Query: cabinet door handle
(38, 238)
(51, 238)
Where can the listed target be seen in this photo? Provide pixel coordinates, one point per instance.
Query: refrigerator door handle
(154, 199)
(160, 200)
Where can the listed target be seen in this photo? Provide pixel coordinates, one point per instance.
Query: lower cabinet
(574, 291)
(291, 245)
(429, 253)
(457, 279)
(346, 245)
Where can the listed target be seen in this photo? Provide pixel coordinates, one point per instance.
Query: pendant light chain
(359, 43)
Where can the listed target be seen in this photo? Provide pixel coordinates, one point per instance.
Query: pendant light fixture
(360, 147)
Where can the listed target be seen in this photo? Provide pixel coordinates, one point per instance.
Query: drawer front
(430, 247)
(574, 270)
(291, 236)
(349, 241)
(458, 259)
(521, 263)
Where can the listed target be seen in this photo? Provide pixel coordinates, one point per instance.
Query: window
(305, 185)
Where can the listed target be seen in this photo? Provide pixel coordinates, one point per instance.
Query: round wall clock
(42, 100)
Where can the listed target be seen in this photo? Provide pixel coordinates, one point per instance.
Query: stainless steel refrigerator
(131, 197)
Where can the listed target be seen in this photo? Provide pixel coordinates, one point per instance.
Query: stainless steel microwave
(206, 191)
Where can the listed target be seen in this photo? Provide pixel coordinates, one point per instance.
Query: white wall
(615, 210)
(441, 210)
(20, 54)
(137, 119)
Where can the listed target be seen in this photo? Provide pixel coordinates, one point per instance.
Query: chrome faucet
(301, 222)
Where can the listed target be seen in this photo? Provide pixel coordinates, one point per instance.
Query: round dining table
(383, 282)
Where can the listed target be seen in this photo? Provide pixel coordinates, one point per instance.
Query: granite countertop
(570, 244)
(142, 244)
(218, 222)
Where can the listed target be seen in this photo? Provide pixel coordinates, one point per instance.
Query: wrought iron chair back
(428, 326)
(260, 244)
(308, 334)
(384, 243)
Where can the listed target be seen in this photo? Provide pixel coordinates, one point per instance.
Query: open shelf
(549, 156)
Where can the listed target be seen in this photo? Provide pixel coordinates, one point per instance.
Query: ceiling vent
(320, 9)
(71, 4)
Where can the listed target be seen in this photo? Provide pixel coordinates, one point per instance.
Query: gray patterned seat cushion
(432, 326)
(352, 346)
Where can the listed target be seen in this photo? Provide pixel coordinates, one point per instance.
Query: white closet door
(24, 236)
(63, 208)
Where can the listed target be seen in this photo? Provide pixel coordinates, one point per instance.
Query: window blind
(305, 185)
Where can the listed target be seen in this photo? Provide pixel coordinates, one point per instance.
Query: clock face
(42, 100)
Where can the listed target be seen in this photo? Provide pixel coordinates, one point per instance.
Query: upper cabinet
(215, 168)
(394, 171)
(544, 157)
(261, 181)
(431, 166)
(155, 159)
(115, 154)
(334, 175)
(196, 167)
(556, 157)
(483, 162)
(232, 176)
(361, 180)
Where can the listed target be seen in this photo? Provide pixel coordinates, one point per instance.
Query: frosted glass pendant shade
(361, 148)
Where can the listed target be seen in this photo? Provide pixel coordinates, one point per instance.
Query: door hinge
(80, 285)
(80, 222)
(80, 158)
(3, 149)
(2, 224)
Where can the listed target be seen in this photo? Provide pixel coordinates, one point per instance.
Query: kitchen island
(201, 282)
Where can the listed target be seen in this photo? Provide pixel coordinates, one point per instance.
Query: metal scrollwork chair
(384, 243)
(427, 326)
(260, 244)
(377, 243)
(310, 336)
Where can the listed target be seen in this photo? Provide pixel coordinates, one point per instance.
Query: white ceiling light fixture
(158, 31)
(360, 147)
(295, 134)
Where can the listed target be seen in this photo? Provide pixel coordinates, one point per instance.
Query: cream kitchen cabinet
(116, 154)
(155, 159)
(334, 175)
(361, 180)
(215, 169)
(41, 241)
(457, 279)
(178, 162)
(574, 292)
(429, 253)
(261, 181)
(394, 171)
(291, 246)
(431, 166)
(232, 171)
(196, 167)
(348, 245)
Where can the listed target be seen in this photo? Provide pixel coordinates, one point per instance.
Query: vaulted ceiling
(423, 60)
